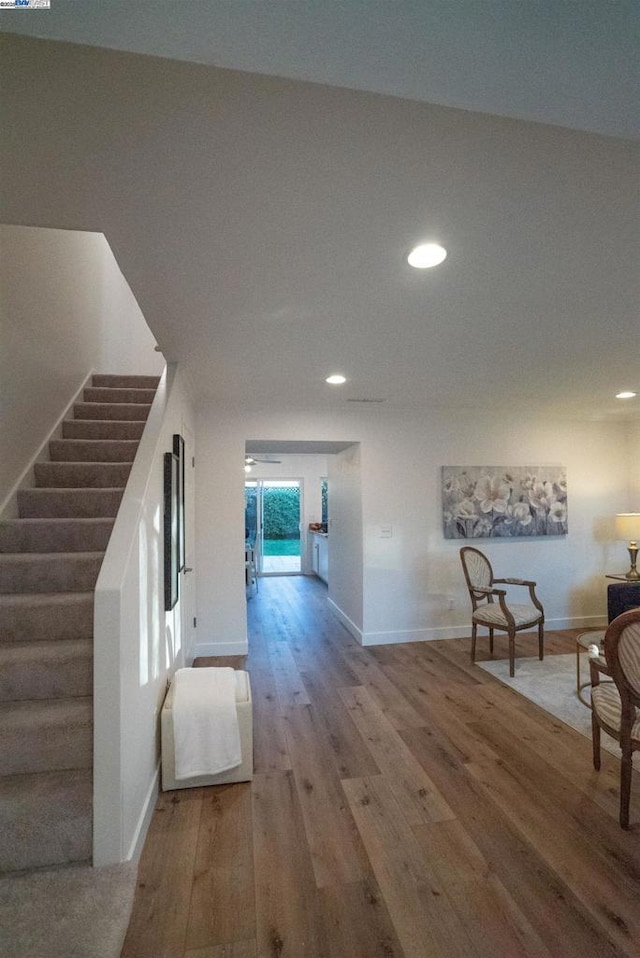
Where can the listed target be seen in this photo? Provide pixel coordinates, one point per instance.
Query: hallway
(393, 813)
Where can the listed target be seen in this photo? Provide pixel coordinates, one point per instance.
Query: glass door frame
(260, 483)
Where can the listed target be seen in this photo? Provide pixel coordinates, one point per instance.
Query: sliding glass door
(272, 524)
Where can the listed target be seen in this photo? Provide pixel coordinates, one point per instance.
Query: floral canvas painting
(480, 502)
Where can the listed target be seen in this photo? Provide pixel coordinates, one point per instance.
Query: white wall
(410, 580)
(220, 582)
(633, 504)
(131, 675)
(65, 310)
(345, 538)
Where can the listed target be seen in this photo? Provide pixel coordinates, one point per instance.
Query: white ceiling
(570, 63)
(537, 305)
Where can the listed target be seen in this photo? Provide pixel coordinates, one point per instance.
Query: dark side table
(622, 596)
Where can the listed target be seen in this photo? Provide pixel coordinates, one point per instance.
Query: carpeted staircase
(49, 562)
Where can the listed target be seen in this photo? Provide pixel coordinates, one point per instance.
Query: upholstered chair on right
(615, 706)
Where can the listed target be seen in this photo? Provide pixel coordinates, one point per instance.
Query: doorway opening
(272, 524)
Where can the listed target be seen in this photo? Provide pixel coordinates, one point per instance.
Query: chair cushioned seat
(492, 615)
(605, 699)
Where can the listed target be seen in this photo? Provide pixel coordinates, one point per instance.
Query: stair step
(81, 475)
(46, 617)
(45, 819)
(68, 503)
(46, 670)
(111, 410)
(102, 429)
(49, 572)
(113, 394)
(125, 382)
(46, 736)
(55, 535)
(93, 450)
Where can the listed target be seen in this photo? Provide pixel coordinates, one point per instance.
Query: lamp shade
(628, 525)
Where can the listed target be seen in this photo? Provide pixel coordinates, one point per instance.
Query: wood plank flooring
(405, 805)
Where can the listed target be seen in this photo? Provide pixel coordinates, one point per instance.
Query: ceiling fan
(252, 461)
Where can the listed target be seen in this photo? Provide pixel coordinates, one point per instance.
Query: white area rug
(551, 684)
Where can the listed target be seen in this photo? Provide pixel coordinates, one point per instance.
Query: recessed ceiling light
(426, 256)
(336, 380)
(627, 394)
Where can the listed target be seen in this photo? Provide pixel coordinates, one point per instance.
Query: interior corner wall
(65, 310)
(345, 538)
(220, 581)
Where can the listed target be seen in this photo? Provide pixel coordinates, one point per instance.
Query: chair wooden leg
(474, 635)
(491, 641)
(625, 788)
(595, 740)
(512, 653)
(541, 641)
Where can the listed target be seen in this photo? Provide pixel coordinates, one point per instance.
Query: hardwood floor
(405, 805)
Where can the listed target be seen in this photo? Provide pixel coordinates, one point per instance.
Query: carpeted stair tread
(119, 411)
(46, 617)
(69, 503)
(81, 475)
(55, 535)
(100, 429)
(93, 450)
(118, 394)
(45, 819)
(45, 736)
(49, 571)
(46, 670)
(114, 381)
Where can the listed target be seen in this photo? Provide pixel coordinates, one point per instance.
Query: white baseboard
(148, 808)
(346, 621)
(459, 631)
(578, 622)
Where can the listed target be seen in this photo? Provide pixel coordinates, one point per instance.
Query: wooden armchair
(615, 705)
(502, 615)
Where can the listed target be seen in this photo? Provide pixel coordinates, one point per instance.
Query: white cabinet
(320, 555)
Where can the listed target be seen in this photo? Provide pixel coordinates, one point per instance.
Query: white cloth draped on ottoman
(205, 722)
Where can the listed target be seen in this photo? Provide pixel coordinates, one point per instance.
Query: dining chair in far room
(504, 615)
(616, 705)
(250, 571)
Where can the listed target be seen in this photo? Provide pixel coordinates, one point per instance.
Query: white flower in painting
(558, 512)
(542, 496)
(560, 487)
(528, 482)
(521, 513)
(465, 509)
(492, 493)
(451, 485)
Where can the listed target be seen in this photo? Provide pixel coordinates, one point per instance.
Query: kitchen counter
(320, 554)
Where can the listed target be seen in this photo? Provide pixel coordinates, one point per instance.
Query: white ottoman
(242, 773)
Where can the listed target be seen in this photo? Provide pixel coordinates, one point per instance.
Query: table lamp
(628, 527)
